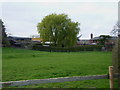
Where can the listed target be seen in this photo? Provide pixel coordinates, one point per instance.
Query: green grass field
(20, 64)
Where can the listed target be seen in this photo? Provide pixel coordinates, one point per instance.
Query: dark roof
(112, 37)
(18, 38)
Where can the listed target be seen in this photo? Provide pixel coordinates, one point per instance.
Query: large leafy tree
(58, 29)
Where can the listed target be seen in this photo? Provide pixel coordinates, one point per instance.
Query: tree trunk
(119, 60)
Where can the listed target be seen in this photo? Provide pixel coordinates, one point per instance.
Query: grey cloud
(22, 18)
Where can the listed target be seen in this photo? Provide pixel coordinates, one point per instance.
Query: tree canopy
(5, 42)
(103, 39)
(59, 30)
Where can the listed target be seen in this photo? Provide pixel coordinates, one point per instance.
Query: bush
(68, 49)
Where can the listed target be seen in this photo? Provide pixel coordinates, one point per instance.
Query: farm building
(111, 40)
(95, 41)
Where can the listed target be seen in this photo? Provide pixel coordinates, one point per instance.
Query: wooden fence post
(111, 77)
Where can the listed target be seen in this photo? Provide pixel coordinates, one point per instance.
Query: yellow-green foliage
(58, 29)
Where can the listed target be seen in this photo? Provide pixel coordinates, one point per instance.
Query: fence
(62, 79)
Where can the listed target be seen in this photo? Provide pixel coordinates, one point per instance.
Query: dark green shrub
(68, 49)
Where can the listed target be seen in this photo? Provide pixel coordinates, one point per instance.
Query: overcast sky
(21, 18)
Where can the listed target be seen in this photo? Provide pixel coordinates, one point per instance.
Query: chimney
(91, 35)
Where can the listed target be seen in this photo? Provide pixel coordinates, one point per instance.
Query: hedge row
(68, 49)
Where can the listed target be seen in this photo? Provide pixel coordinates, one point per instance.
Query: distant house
(36, 39)
(95, 41)
(19, 41)
(23, 41)
(111, 40)
(83, 42)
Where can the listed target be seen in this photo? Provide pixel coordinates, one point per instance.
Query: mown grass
(20, 64)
